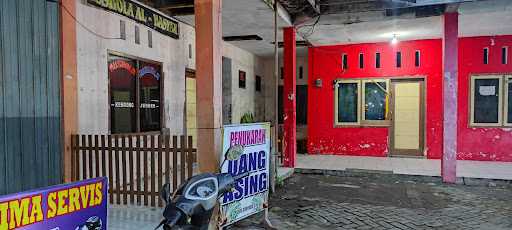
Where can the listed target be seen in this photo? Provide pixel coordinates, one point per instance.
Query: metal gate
(30, 101)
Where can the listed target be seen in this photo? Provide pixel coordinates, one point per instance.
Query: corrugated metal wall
(30, 103)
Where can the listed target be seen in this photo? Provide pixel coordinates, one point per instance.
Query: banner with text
(251, 193)
(75, 206)
(142, 14)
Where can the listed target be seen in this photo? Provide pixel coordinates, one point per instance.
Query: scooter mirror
(165, 193)
(234, 152)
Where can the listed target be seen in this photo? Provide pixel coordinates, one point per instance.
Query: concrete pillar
(289, 103)
(69, 82)
(209, 83)
(450, 73)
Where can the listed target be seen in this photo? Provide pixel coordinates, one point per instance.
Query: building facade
(92, 67)
(384, 99)
(121, 49)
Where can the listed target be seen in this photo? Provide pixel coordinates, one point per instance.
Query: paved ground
(364, 201)
(386, 201)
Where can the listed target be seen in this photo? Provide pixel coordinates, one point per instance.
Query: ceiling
(355, 21)
(248, 17)
(476, 18)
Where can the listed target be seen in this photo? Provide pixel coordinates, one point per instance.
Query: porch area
(407, 166)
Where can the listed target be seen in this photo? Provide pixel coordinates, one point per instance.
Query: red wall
(489, 144)
(325, 64)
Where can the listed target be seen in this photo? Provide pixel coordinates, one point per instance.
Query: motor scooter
(192, 204)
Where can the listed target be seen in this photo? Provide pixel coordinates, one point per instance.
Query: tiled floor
(410, 166)
(133, 217)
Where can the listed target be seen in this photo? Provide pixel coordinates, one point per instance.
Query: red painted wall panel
(486, 144)
(325, 64)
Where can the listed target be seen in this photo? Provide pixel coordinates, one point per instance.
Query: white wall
(246, 100)
(301, 61)
(93, 83)
(268, 64)
(93, 109)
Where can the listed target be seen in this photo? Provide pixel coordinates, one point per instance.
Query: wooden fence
(136, 165)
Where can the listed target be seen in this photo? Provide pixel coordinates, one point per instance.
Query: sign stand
(266, 221)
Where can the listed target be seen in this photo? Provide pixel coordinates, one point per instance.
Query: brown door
(407, 125)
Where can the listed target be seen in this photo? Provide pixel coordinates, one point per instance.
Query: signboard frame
(141, 14)
(256, 139)
(65, 206)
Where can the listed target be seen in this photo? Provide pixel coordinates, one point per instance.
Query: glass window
(361, 60)
(486, 100)
(362, 102)
(377, 60)
(417, 58)
(398, 59)
(122, 72)
(134, 95)
(149, 81)
(509, 104)
(347, 102)
(344, 61)
(486, 55)
(504, 55)
(375, 100)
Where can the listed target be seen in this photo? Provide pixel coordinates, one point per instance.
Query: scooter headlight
(203, 189)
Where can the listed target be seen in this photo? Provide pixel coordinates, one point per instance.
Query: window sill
(490, 126)
(139, 133)
(364, 125)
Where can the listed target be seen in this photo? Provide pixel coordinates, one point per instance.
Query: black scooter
(191, 206)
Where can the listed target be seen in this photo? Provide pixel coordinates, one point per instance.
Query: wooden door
(407, 131)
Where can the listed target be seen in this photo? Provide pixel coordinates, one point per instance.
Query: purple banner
(75, 206)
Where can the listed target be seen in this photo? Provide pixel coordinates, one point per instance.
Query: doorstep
(284, 173)
(406, 166)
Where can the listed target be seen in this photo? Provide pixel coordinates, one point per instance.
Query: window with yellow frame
(362, 102)
(490, 104)
(508, 102)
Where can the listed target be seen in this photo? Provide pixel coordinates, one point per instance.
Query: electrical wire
(310, 31)
(82, 25)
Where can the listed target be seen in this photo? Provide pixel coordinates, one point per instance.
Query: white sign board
(251, 193)
(487, 90)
